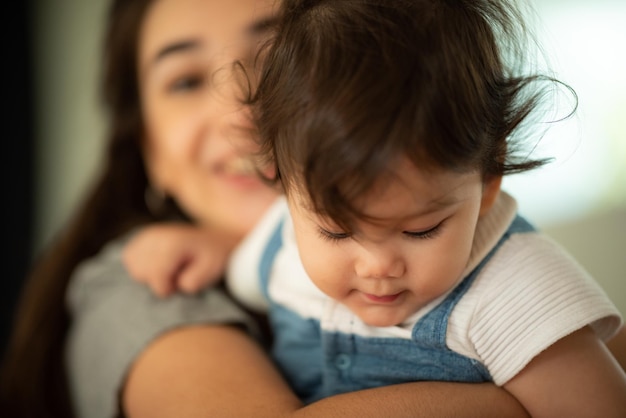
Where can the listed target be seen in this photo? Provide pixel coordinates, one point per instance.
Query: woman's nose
(225, 113)
(222, 101)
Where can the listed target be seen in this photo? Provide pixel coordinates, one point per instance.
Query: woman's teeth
(239, 166)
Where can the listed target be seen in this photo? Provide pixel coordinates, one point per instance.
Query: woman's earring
(155, 200)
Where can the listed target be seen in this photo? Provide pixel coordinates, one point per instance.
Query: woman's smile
(239, 171)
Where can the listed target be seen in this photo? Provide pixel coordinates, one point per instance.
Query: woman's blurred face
(198, 135)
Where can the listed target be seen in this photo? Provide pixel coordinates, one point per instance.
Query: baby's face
(414, 250)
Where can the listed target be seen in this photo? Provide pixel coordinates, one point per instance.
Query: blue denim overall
(318, 363)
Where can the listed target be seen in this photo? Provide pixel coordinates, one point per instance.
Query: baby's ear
(491, 189)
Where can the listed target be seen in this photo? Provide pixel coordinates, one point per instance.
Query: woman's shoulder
(102, 284)
(100, 273)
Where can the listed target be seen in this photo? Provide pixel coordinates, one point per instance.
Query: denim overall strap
(296, 346)
(269, 254)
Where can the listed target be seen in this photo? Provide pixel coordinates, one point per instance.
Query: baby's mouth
(382, 298)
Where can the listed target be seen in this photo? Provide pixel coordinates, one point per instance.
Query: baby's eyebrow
(430, 207)
(438, 204)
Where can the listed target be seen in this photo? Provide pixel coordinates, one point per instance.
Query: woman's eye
(426, 234)
(333, 236)
(185, 84)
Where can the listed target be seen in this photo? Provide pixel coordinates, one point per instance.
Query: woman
(34, 377)
(176, 130)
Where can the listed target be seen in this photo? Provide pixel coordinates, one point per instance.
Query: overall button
(343, 361)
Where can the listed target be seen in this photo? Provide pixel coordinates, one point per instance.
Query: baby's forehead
(411, 195)
(404, 192)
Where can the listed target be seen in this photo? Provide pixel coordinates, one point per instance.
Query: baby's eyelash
(333, 236)
(428, 234)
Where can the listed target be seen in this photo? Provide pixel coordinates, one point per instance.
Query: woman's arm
(574, 377)
(207, 371)
(617, 345)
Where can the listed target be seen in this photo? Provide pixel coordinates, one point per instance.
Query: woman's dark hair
(33, 381)
(348, 86)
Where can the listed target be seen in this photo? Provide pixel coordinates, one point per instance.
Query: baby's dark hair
(349, 86)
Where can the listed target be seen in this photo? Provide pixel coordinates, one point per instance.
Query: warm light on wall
(585, 42)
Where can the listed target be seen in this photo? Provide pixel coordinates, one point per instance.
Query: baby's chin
(381, 316)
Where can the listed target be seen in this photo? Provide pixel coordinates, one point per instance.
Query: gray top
(115, 318)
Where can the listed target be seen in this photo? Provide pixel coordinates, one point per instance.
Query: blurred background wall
(579, 199)
(18, 163)
(55, 126)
